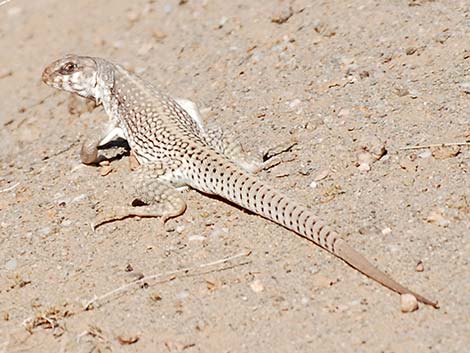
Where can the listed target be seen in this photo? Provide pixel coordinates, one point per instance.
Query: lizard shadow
(119, 147)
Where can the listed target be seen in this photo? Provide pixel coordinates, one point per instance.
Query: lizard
(174, 150)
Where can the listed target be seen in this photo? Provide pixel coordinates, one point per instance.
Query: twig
(4, 2)
(9, 188)
(447, 144)
(166, 277)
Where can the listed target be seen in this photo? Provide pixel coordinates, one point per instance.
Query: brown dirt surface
(352, 82)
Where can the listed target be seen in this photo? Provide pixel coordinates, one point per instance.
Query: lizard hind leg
(233, 150)
(153, 197)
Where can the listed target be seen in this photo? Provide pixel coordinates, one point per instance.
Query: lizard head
(86, 76)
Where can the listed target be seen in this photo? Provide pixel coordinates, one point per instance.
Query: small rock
(343, 113)
(313, 184)
(179, 229)
(133, 17)
(256, 286)
(340, 308)
(144, 49)
(158, 35)
(413, 94)
(364, 167)
(436, 217)
(294, 103)
(321, 281)
(182, 294)
(374, 146)
(365, 157)
(442, 37)
(386, 231)
(11, 265)
(14, 11)
(411, 50)
(419, 266)
(283, 16)
(196, 238)
(223, 21)
(167, 8)
(465, 87)
(425, 154)
(409, 303)
(409, 163)
(105, 170)
(445, 152)
(323, 29)
(401, 92)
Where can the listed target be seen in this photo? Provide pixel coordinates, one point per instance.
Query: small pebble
(179, 229)
(158, 35)
(105, 170)
(256, 286)
(436, 217)
(144, 49)
(223, 21)
(365, 157)
(14, 11)
(133, 17)
(294, 103)
(196, 238)
(420, 266)
(364, 167)
(465, 87)
(409, 303)
(167, 8)
(343, 113)
(283, 16)
(425, 154)
(182, 294)
(401, 92)
(386, 231)
(11, 265)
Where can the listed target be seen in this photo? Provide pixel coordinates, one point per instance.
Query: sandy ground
(351, 82)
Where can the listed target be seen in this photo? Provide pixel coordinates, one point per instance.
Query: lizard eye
(68, 68)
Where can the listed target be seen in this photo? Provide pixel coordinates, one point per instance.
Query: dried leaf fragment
(445, 152)
(124, 340)
(437, 217)
(283, 16)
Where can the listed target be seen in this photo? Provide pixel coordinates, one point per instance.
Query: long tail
(233, 184)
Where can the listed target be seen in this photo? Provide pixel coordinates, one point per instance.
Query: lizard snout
(46, 75)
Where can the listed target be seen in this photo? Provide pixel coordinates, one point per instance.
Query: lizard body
(174, 149)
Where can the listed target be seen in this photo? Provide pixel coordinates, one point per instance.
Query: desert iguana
(174, 149)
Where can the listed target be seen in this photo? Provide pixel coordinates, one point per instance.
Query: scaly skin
(175, 150)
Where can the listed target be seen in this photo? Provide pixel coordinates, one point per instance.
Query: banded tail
(226, 180)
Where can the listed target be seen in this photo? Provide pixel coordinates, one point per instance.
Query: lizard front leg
(158, 196)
